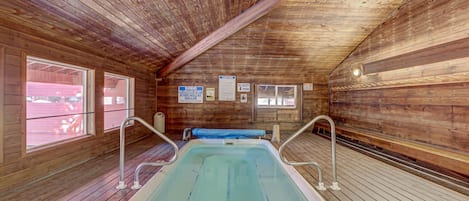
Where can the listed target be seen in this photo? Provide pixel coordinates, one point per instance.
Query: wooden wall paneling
(419, 113)
(99, 102)
(216, 114)
(2, 95)
(19, 168)
(22, 80)
(12, 110)
(421, 98)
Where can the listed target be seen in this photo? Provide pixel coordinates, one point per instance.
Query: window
(58, 102)
(276, 96)
(118, 99)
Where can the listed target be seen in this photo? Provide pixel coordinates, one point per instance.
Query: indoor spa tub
(222, 170)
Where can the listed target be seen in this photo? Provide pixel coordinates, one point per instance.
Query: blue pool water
(227, 173)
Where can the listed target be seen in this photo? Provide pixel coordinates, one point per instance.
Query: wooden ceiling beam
(438, 53)
(247, 17)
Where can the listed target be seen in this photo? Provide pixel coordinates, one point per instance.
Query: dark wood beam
(247, 17)
(438, 53)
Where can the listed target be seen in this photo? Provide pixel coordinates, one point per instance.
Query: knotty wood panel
(425, 102)
(19, 168)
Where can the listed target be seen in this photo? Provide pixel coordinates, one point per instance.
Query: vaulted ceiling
(316, 34)
(297, 38)
(147, 32)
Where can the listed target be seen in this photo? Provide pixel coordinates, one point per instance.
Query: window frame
(276, 97)
(88, 104)
(130, 101)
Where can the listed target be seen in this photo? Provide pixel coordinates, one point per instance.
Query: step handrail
(136, 185)
(335, 184)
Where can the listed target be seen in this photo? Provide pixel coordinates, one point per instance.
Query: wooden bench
(447, 159)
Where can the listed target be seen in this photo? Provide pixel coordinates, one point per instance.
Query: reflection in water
(235, 173)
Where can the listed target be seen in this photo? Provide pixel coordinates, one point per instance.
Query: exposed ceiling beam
(452, 50)
(247, 17)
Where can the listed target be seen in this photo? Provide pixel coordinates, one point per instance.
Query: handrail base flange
(321, 186)
(121, 185)
(136, 186)
(335, 186)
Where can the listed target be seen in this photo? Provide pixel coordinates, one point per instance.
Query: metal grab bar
(335, 184)
(137, 170)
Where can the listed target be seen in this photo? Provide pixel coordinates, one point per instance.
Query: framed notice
(227, 88)
(190, 94)
(243, 98)
(210, 94)
(307, 86)
(244, 87)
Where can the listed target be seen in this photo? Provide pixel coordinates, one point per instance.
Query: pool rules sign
(190, 94)
(226, 87)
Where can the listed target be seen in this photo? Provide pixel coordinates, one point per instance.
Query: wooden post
(2, 92)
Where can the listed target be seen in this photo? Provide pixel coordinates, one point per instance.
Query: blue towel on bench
(226, 133)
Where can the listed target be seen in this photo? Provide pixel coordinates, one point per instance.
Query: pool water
(227, 173)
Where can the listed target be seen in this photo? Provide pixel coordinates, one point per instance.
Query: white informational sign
(210, 94)
(227, 88)
(243, 98)
(307, 86)
(244, 87)
(190, 94)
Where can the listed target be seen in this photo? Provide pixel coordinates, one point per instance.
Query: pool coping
(308, 191)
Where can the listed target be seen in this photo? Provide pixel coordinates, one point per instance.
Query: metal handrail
(335, 184)
(137, 170)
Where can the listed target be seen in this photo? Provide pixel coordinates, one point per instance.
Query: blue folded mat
(226, 133)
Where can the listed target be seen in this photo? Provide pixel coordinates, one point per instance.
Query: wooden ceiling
(298, 36)
(143, 32)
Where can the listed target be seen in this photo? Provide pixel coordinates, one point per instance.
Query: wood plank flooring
(360, 177)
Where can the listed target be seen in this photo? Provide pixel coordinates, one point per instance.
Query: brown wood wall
(224, 114)
(18, 167)
(429, 103)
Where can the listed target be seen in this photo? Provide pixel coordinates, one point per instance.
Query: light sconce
(356, 72)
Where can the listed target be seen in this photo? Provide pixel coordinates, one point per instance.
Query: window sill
(274, 121)
(56, 145)
(109, 130)
(283, 108)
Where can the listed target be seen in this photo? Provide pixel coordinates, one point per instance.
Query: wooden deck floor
(360, 177)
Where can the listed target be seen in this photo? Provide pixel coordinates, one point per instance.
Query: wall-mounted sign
(227, 88)
(243, 98)
(307, 86)
(244, 87)
(190, 94)
(210, 94)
